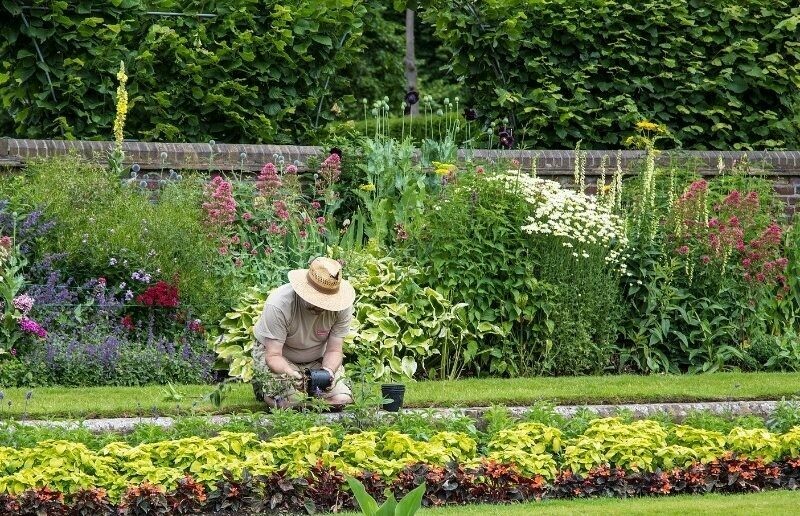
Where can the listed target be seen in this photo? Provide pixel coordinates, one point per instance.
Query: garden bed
(237, 472)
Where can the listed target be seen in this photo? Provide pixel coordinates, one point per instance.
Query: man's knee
(339, 399)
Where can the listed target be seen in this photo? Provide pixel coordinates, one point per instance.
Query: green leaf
(411, 502)
(366, 502)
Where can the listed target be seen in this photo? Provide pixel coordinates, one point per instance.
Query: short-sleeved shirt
(303, 333)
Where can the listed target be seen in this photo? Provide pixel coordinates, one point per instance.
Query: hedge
(259, 71)
(720, 74)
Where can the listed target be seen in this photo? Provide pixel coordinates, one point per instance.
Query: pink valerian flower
(316, 205)
(6, 242)
(275, 229)
(331, 168)
(480, 170)
(238, 262)
(281, 210)
(320, 220)
(28, 325)
(705, 259)
(220, 208)
(683, 250)
(303, 232)
(247, 215)
(223, 250)
(268, 182)
(23, 303)
(235, 240)
(291, 169)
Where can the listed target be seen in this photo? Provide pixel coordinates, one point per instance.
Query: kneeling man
(302, 327)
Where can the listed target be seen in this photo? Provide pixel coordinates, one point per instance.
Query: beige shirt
(303, 333)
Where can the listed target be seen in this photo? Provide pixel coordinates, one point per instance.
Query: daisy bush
(579, 221)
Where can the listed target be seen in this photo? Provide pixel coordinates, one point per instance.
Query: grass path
(771, 503)
(144, 401)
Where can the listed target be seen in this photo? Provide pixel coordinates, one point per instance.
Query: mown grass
(145, 401)
(772, 503)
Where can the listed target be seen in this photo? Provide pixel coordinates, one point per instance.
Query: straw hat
(322, 285)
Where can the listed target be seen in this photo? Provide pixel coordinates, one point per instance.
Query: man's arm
(332, 359)
(275, 361)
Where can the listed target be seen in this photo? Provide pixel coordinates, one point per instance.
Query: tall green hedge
(719, 73)
(260, 71)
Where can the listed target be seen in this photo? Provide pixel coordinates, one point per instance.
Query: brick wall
(783, 166)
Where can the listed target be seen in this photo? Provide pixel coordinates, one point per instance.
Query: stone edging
(639, 410)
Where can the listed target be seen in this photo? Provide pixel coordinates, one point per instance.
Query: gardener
(302, 327)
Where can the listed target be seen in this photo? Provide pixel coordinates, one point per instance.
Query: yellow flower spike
(369, 187)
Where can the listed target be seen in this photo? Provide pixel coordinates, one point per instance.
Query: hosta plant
(234, 347)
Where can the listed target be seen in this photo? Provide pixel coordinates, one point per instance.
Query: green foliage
(407, 506)
(400, 128)
(401, 325)
(258, 71)
(109, 230)
(719, 74)
(470, 245)
(234, 347)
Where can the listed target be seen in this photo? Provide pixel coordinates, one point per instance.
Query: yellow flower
(443, 169)
(122, 106)
(369, 187)
(646, 125)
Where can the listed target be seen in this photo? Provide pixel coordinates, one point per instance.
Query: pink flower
(705, 259)
(291, 169)
(316, 205)
(5, 242)
(320, 220)
(238, 262)
(268, 182)
(303, 232)
(684, 250)
(480, 170)
(23, 303)
(247, 215)
(223, 250)
(235, 240)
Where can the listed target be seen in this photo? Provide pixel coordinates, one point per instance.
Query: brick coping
(247, 157)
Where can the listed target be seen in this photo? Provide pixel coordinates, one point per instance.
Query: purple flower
(24, 303)
(30, 326)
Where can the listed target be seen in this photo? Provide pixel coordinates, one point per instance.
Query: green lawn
(136, 401)
(772, 503)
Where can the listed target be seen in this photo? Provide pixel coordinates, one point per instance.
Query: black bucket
(394, 393)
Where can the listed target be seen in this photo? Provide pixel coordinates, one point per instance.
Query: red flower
(127, 322)
(161, 294)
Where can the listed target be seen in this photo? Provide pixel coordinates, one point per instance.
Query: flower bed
(526, 461)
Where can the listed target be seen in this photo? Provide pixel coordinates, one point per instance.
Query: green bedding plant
(533, 450)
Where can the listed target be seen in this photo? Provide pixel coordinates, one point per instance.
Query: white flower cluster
(578, 218)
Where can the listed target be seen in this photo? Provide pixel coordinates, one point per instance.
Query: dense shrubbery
(191, 78)
(720, 74)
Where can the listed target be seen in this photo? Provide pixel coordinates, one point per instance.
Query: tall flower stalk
(117, 155)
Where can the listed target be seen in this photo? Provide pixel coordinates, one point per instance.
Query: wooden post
(410, 60)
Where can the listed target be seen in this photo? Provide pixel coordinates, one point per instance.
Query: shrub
(564, 71)
(471, 245)
(258, 71)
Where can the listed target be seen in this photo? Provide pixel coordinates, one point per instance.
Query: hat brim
(342, 299)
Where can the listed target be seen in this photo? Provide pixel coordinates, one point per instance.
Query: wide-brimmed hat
(322, 285)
